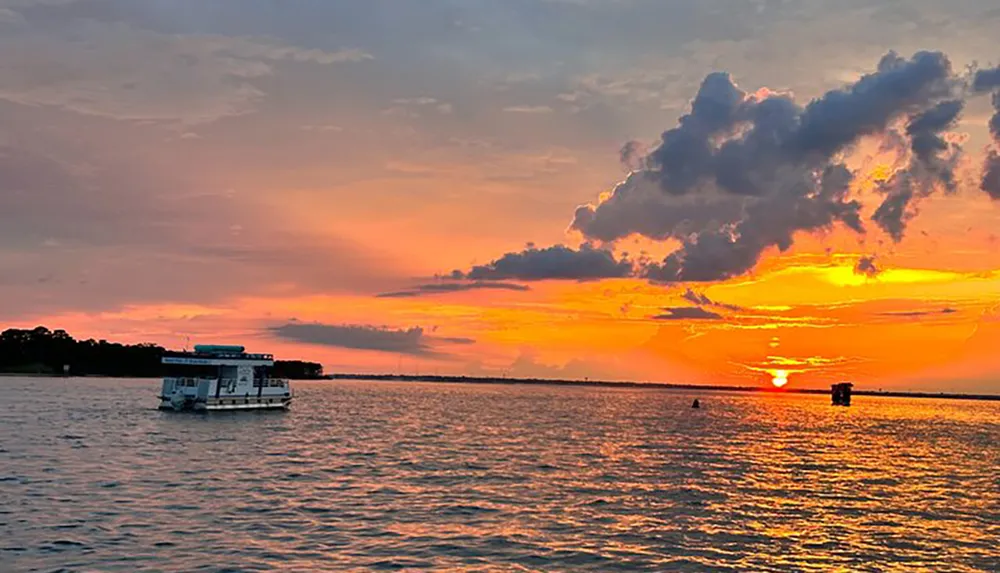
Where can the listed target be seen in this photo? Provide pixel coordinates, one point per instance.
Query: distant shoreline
(647, 385)
(577, 383)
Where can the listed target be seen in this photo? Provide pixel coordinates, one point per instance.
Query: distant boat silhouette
(696, 404)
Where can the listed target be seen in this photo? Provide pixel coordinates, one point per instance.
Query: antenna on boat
(187, 342)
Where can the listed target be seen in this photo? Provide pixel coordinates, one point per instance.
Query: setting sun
(780, 378)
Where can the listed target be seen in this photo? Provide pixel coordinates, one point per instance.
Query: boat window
(191, 371)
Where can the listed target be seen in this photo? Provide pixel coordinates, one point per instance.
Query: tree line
(44, 351)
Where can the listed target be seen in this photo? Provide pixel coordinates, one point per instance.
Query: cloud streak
(918, 313)
(411, 341)
(449, 287)
(702, 300)
(687, 313)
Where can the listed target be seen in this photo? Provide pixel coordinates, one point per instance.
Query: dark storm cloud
(866, 266)
(557, 262)
(924, 129)
(893, 214)
(932, 163)
(840, 117)
(783, 162)
(991, 175)
(991, 171)
(742, 173)
(717, 254)
(685, 154)
(638, 205)
(439, 288)
(927, 144)
(986, 81)
(411, 341)
(687, 313)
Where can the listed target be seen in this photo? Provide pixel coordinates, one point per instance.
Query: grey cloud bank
(985, 81)
(742, 173)
(448, 287)
(409, 341)
(557, 262)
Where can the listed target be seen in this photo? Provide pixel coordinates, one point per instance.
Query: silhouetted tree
(42, 351)
(297, 369)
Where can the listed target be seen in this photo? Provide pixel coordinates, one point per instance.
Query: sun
(780, 378)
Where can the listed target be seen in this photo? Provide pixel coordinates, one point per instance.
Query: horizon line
(647, 385)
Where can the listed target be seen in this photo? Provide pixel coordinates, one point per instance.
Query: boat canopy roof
(218, 354)
(219, 348)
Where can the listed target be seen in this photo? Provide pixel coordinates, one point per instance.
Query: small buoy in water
(696, 404)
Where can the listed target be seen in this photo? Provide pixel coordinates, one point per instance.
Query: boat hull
(221, 404)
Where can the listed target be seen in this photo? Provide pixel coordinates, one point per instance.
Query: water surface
(395, 476)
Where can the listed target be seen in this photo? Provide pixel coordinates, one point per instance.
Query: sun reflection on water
(367, 475)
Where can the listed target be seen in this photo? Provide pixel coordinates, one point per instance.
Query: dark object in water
(841, 393)
(696, 404)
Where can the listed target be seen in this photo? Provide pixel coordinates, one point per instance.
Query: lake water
(389, 476)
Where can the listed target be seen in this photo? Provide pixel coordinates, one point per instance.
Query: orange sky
(287, 175)
(927, 321)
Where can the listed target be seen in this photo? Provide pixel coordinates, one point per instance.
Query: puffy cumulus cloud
(840, 117)
(985, 81)
(732, 250)
(557, 262)
(925, 134)
(743, 172)
(449, 287)
(687, 313)
(412, 341)
(932, 164)
(638, 206)
(991, 175)
(785, 159)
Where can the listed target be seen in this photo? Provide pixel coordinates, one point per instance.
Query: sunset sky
(444, 186)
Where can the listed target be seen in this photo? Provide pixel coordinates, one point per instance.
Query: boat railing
(271, 383)
(217, 355)
(186, 381)
(238, 355)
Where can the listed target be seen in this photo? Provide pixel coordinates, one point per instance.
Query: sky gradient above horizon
(444, 186)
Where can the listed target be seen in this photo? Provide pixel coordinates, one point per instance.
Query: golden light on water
(780, 378)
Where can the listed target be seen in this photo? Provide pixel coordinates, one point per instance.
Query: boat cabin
(221, 377)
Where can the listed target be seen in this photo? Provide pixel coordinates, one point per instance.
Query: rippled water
(375, 475)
